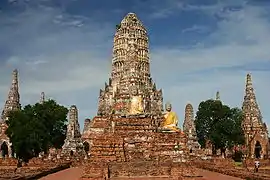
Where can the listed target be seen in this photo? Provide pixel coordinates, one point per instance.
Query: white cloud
(58, 58)
(196, 28)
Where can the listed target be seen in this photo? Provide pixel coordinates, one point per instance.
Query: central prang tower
(130, 69)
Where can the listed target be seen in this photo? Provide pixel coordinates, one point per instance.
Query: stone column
(113, 126)
(9, 152)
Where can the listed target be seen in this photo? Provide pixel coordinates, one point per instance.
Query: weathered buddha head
(133, 90)
(168, 106)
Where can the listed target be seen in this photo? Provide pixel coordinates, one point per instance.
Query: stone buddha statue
(136, 103)
(171, 119)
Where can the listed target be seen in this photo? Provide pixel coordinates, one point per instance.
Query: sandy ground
(75, 173)
(215, 176)
(68, 174)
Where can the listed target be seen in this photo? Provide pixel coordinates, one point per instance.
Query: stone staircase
(140, 170)
(107, 148)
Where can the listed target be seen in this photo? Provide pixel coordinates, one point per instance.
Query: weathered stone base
(134, 138)
(133, 147)
(140, 170)
(143, 145)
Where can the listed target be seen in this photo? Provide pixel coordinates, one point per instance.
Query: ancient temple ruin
(129, 124)
(255, 130)
(73, 142)
(190, 130)
(12, 103)
(130, 70)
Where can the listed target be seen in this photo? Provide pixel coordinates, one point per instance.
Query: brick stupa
(132, 145)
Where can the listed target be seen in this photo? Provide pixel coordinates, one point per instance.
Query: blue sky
(63, 47)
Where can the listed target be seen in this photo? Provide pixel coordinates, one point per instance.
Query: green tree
(220, 124)
(36, 128)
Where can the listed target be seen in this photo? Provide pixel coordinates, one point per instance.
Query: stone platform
(135, 147)
(122, 139)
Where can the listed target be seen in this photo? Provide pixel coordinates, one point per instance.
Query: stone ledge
(45, 173)
(38, 174)
(230, 171)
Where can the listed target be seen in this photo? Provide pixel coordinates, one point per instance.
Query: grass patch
(238, 164)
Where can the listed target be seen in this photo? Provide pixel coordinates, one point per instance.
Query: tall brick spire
(13, 100)
(250, 107)
(190, 129)
(130, 70)
(255, 131)
(73, 140)
(189, 119)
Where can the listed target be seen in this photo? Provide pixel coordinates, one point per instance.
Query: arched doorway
(4, 149)
(86, 147)
(258, 149)
(71, 153)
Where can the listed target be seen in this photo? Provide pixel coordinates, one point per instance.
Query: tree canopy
(220, 124)
(36, 128)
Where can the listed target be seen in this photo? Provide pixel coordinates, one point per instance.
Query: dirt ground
(68, 174)
(75, 173)
(215, 176)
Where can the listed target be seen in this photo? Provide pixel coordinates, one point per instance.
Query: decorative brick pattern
(130, 69)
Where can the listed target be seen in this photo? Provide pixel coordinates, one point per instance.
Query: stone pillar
(113, 126)
(9, 152)
(49, 157)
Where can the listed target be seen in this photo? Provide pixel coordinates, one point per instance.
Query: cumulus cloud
(55, 53)
(68, 56)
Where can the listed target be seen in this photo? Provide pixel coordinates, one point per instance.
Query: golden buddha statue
(136, 103)
(171, 119)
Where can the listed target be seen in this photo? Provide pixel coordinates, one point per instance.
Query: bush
(237, 157)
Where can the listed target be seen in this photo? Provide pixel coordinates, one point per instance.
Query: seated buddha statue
(171, 119)
(136, 103)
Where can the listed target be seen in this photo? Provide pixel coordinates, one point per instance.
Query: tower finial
(248, 81)
(42, 98)
(15, 78)
(217, 96)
